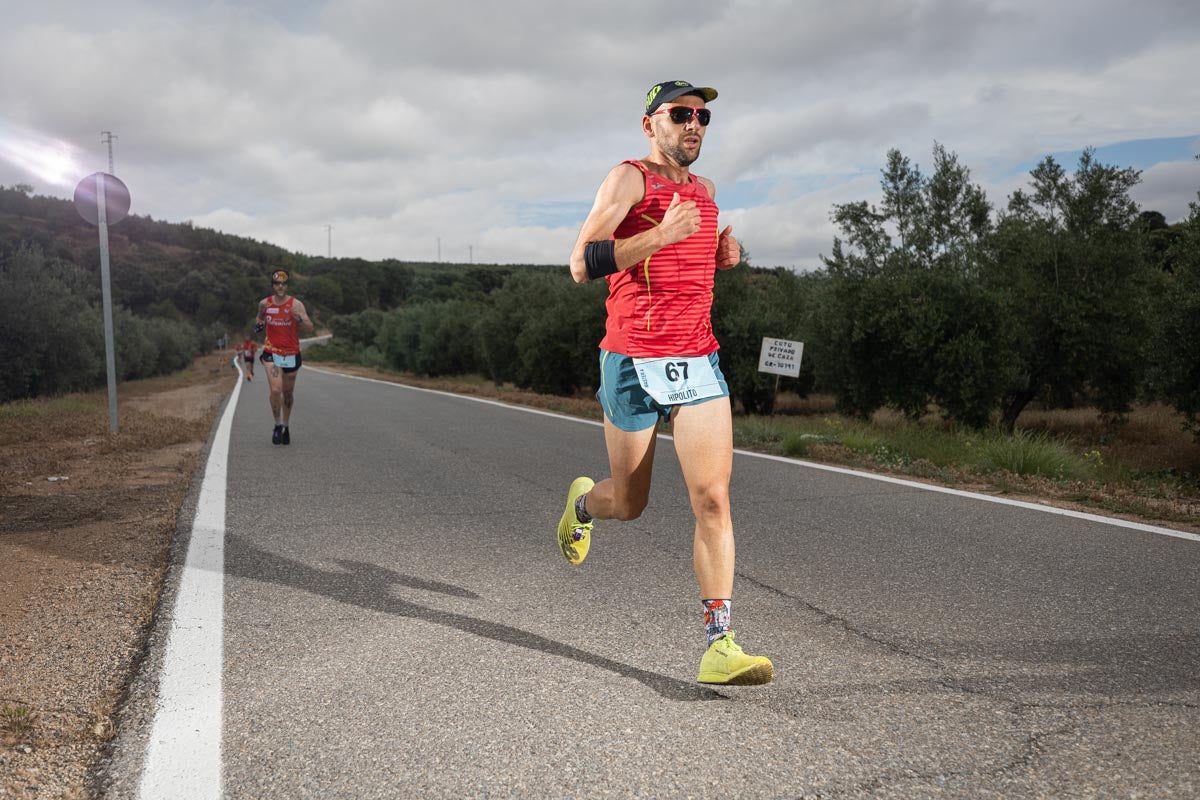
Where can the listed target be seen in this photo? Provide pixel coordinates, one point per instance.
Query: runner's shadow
(368, 586)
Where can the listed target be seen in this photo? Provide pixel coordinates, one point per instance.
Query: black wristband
(600, 258)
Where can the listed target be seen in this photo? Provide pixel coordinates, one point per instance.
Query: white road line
(183, 758)
(827, 468)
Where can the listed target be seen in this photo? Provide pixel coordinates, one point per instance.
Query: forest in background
(1067, 296)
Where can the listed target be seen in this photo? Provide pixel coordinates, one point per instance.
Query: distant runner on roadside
(247, 349)
(652, 234)
(282, 316)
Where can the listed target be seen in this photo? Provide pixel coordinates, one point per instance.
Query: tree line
(52, 336)
(933, 299)
(1068, 295)
(177, 290)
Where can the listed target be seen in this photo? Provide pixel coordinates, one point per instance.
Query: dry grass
(16, 723)
(1151, 438)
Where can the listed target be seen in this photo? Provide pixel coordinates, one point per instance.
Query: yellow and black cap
(279, 275)
(667, 91)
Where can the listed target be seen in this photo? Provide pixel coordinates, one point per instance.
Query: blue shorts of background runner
(626, 403)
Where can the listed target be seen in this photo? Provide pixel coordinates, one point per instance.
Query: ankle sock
(716, 618)
(581, 509)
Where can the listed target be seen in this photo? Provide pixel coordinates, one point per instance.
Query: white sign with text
(780, 357)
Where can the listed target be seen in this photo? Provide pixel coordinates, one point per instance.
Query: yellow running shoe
(724, 662)
(574, 537)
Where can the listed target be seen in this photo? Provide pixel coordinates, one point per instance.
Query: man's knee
(711, 501)
(287, 396)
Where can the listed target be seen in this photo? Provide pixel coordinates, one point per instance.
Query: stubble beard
(680, 156)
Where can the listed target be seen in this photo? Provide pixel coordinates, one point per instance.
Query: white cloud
(1168, 188)
(486, 124)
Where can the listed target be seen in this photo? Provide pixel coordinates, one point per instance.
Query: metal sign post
(110, 359)
(103, 200)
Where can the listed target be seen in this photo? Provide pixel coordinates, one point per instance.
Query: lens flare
(51, 160)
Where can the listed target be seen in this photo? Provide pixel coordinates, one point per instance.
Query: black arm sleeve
(600, 258)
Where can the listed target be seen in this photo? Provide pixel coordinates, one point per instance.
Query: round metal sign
(116, 199)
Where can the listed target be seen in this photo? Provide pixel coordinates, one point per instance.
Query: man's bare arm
(301, 315)
(621, 190)
(260, 321)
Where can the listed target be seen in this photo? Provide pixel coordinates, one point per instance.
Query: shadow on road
(368, 586)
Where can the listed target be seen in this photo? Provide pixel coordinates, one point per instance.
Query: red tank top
(282, 336)
(662, 307)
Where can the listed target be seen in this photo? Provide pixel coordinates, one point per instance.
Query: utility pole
(470, 254)
(329, 235)
(108, 139)
(439, 240)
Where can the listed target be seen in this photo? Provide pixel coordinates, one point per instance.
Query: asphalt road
(399, 623)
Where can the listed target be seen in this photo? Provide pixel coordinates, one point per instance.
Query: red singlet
(662, 307)
(282, 336)
(248, 347)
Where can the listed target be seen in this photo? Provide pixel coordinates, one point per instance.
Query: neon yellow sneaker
(574, 537)
(724, 662)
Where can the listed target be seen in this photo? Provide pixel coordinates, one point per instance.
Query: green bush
(1024, 453)
(52, 332)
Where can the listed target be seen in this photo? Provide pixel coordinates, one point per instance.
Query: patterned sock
(716, 618)
(581, 509)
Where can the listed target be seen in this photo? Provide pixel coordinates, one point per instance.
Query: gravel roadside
(82, 559)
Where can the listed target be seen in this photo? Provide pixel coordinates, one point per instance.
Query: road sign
(103, 200)
(116, 197)
(780, 357)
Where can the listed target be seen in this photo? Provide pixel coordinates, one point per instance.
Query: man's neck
(660, 165)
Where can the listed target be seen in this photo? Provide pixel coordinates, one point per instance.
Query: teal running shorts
(626, 403)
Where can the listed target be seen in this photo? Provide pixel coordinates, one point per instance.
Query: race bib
(283, 362)
(673, 380)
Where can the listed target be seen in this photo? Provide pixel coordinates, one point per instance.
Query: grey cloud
(394, 121)
(764, 139)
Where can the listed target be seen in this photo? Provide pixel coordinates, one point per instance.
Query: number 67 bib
(674, 380)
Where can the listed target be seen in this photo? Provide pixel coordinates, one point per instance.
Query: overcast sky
(488, 126)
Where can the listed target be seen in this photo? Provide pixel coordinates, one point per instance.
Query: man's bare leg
(704, 442)
(630, 461)
(289, 388)
(275, 381)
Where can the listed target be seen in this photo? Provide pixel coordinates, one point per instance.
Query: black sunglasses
(681, 115)
(279, 283)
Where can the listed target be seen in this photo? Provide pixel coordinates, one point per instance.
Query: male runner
(247, 349)
(282, 317)
(652, 234)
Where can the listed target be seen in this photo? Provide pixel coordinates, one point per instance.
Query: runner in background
(282, 317)
(247, 349)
